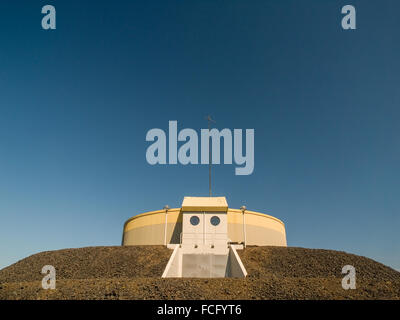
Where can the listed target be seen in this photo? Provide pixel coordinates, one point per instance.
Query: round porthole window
(194, 220)
(215, 220)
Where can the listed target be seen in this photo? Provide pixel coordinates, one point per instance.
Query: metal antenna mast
(209, 119)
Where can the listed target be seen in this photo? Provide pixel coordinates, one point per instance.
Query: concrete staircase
(204, 261)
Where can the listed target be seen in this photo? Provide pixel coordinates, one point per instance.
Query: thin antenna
(209, 119)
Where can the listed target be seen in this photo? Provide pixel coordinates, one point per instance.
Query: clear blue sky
(76, 104)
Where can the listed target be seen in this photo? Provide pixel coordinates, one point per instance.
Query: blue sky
(76, 104)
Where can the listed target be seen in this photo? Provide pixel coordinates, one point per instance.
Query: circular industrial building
(202, 239)
(163, 227)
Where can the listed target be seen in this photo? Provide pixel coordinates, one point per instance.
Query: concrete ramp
(204, 262)
(204, 265)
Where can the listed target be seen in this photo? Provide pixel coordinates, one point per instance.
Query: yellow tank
(164, 227)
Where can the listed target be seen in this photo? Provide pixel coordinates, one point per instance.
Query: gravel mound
(92, 263)
(134, 272)
(311, 263)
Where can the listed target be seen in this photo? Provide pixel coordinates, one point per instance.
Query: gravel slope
(135, 273)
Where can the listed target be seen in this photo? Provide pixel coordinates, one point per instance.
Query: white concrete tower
(204, 250)
(204, 223)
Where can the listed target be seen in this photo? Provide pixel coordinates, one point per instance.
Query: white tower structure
(205, 222)
(204, 250)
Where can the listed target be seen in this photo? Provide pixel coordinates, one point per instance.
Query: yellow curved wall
(149, 228)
